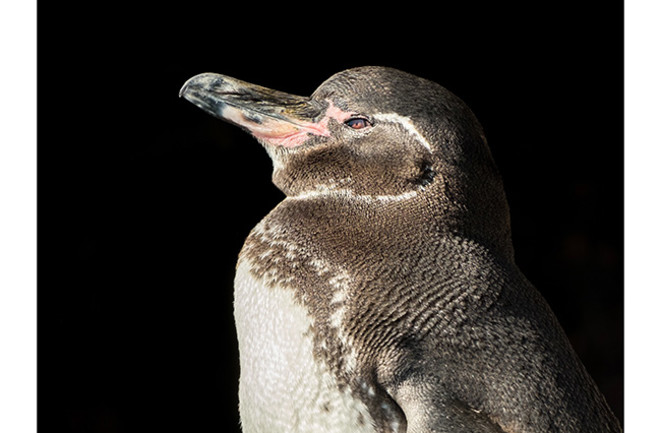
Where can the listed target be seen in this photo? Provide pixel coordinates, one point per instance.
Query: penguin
(381, 294)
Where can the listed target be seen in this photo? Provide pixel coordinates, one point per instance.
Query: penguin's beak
(273, 117)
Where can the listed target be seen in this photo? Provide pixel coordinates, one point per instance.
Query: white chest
(283, 388)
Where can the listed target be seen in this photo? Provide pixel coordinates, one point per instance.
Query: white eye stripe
(406, 123)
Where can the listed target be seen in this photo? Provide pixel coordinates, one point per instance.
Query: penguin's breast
(283, 386)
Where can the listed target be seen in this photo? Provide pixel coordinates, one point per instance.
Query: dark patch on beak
(213, 93)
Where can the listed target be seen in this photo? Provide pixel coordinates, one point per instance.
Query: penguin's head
(368, 131)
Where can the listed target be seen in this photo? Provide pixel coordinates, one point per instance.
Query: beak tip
(206, 82)
(184, 89)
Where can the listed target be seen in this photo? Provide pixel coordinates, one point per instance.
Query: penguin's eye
(358, 123)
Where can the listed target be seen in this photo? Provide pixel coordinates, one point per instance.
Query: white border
(18, 136)
(642, 219)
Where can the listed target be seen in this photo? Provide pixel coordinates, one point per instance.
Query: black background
(144, 200)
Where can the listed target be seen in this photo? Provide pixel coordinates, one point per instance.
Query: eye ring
(358, 123)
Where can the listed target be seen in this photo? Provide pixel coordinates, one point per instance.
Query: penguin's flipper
(426, 412)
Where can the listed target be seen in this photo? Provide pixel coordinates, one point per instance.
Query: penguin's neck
(414, 211)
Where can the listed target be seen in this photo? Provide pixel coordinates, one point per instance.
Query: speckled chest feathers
(381, 295)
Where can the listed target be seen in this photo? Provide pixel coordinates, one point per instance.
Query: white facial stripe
(321, 191)
(406, 123)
